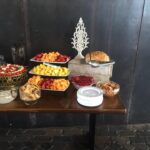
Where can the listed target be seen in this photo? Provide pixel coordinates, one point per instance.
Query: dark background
(119, 27)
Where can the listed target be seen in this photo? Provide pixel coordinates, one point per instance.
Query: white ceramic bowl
(7, 95)
(90, 96)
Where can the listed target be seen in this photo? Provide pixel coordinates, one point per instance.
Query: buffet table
(66, 102)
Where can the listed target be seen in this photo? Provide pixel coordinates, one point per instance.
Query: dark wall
(118, 27)
(139, 106)
(11, 26)
(52, 23)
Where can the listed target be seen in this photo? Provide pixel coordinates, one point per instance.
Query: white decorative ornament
(80, 39)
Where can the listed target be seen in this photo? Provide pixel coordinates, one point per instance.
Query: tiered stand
(61, 64)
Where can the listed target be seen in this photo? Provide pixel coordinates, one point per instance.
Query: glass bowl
(80, 81)
(109, 88)
(77, 86)
(29, 94)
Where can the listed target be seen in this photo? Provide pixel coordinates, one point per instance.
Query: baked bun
(97, 56)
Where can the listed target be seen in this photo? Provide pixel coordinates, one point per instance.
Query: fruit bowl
(11, 77)
(109, 88)
(77, 86)
(82, 81)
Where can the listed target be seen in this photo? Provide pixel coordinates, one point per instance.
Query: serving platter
(31, 72)
(51, 57)
(100, 63)
(33, 60)
(56, 90)
(49, 84)
(54, 66)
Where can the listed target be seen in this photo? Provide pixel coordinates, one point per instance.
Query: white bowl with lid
(90, 96)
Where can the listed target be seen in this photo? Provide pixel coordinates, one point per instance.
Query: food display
(81, 80)
(109, 88)
(49, 83)
(43, 71)
(53, 57)
(29, 93)
(99, 56)
(48, 70)
(12, 75)
(11, 70)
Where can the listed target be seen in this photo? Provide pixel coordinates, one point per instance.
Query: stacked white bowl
(90, 96)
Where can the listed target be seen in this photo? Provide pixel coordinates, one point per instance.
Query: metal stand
(92, 123)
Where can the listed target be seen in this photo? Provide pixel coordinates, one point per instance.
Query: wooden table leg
(92, 123)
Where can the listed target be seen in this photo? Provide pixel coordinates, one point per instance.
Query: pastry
(29, 92)
(97, 56)
(109, 88)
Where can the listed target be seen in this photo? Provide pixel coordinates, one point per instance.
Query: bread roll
(97, 56)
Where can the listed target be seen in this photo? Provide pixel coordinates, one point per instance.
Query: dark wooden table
(66, 102)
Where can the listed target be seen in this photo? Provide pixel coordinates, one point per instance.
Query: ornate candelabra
(80, 39)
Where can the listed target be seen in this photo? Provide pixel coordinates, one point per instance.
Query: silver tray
(30, 72)
(94, 63)
(32, 59)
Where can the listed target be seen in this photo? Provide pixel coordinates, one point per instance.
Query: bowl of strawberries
(82, 80)
(12, 75)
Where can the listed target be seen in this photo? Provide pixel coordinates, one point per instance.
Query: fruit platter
(50, 70)
(49, 83)
(51, 57)
(82, 80)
